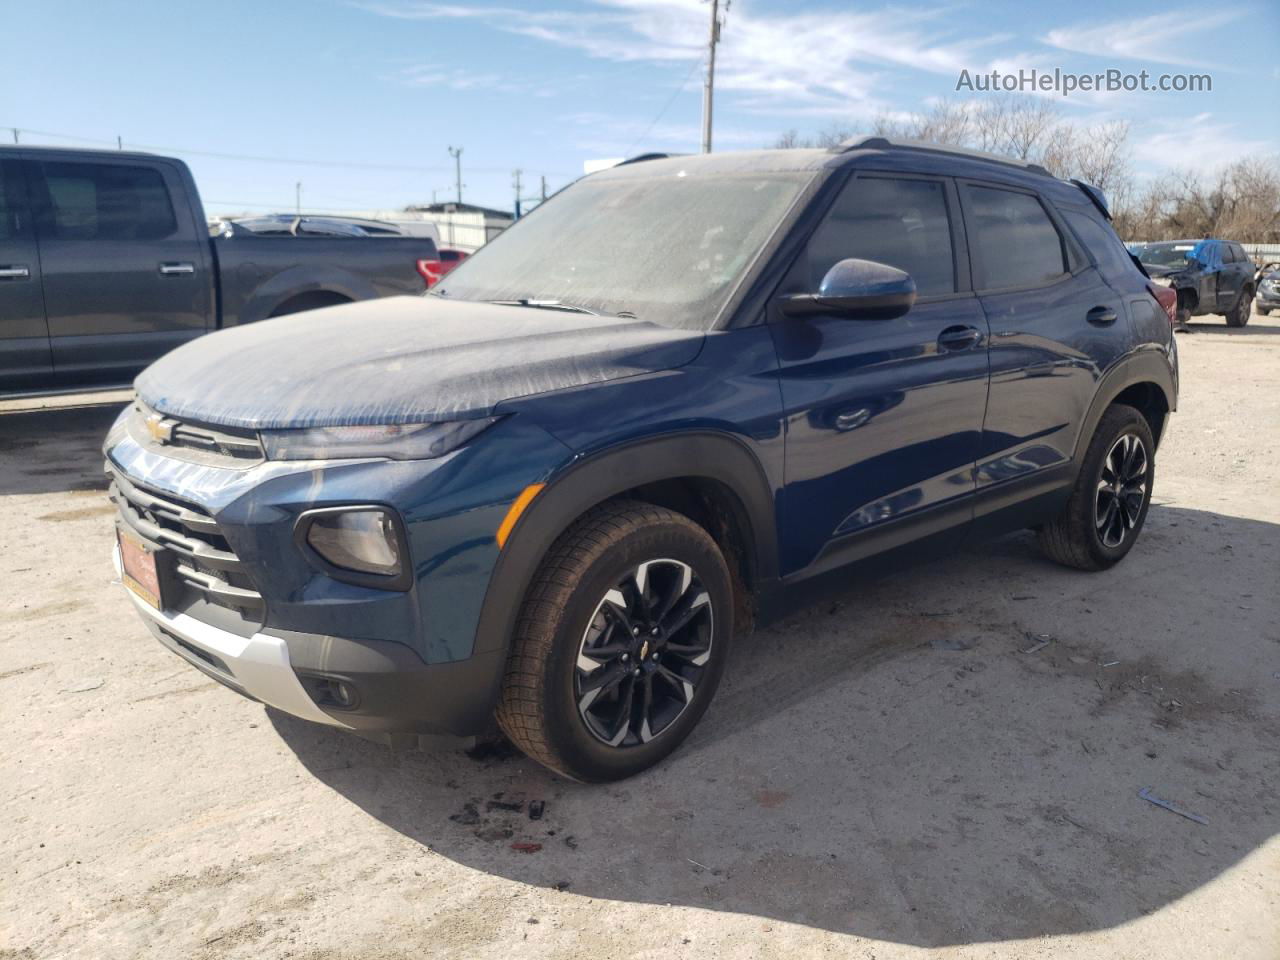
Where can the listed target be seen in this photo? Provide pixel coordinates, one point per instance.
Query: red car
(434, 270)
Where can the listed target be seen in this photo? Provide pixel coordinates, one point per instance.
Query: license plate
(139, 573)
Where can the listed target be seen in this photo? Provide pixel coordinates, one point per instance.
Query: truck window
(1014, 241)
(902, 223)
(10, 210)
(101, 201)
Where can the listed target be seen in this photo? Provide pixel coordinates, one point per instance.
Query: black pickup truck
(106, 263)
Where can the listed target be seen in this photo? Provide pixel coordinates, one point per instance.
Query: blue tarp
(1208, 252)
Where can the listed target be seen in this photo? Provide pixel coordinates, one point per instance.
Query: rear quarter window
(1102, 243)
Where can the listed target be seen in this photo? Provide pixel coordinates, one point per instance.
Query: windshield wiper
(546, 305)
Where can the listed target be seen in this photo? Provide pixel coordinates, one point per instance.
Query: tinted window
(1228, 253)
(99, 201)
(449, 256)
(11, 222)
(1112, 256)
(1015, 242)
(899, 222)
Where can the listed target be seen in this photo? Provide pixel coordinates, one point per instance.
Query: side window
(101, 201)
(1112, 256)
(12, 204)
(902, 223)
(1015, 242)
(1228, 253)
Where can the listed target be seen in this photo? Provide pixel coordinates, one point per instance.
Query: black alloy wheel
(644, 653)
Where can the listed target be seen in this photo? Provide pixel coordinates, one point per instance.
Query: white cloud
(816, 64)
(1196, 143)
(1161, 38)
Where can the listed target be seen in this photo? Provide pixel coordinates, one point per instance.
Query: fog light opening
(333, 692)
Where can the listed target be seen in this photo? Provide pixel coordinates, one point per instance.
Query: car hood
(400, 360)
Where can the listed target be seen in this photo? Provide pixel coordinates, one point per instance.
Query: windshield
(1167, 254)
(666, 249)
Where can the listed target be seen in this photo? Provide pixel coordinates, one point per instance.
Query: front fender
(594, 479)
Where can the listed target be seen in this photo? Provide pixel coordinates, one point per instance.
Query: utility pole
(456, 153)
(297, 197)
(708, 89)
(515, 182)
(15, 134)
(544, 188)
(119, 142)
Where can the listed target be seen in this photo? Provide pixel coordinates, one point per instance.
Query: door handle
(15, 271)
(177, 269)
(959, 337)
(1101, 316)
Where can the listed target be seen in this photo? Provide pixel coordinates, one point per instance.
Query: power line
(666, 106)
(118, 143)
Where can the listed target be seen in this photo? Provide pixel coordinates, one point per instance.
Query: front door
(883, 417)
(25, 362)
(124, 263)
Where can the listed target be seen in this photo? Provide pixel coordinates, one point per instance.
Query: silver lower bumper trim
(259, 664)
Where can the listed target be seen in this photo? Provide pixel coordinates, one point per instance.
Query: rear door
(124, 264)
(884, 417)
(1055, 327)
(25, 362)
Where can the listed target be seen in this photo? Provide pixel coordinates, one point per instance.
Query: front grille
(203, 563)
(194, 442)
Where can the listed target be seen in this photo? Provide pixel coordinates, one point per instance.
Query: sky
(360, 100)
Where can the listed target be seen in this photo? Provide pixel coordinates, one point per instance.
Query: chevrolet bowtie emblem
(160, 428)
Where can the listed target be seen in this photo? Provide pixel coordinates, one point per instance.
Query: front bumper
(257, 666)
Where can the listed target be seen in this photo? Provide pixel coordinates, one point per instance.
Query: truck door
(25, 363)
(123, 261)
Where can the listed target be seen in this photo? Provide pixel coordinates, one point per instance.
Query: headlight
(1162, 281)
(395, 441)
(361, 545)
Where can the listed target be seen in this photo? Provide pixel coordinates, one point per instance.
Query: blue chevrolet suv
(553, 491)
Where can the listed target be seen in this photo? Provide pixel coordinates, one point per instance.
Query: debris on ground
(954, 643)
(535, 809)
(84, 686)
(1038, 641)
(513, 806)
(1146, 794)
(468, 816)
(524, 847)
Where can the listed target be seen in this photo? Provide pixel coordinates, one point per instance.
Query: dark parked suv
(555, 490)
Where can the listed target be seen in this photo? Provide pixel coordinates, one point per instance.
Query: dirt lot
(890, 770)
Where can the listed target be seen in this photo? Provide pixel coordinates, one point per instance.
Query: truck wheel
(620, 642)
(1108, 506)
(1239, 314)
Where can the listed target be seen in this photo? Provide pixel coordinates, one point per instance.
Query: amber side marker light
(513, 512)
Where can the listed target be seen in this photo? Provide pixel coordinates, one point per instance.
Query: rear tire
(1108, 505)
(619, 644)
(1239, 314)
(1183, 316)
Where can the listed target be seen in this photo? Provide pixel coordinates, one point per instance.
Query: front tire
(1108, 505)
(620, 643)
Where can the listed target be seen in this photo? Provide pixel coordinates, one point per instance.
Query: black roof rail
(924, 146)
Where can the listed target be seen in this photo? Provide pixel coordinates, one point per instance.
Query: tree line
(1238, 200)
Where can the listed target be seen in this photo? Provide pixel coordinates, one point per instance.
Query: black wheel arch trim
(1145, 367)
(596, 478)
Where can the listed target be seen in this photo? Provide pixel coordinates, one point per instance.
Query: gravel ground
(888, 772)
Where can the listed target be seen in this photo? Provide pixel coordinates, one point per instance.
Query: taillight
(430, 270)
(1167, 298)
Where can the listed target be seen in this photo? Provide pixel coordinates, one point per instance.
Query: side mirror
(857, 289)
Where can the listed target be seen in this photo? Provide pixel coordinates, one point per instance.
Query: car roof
(881, 153)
